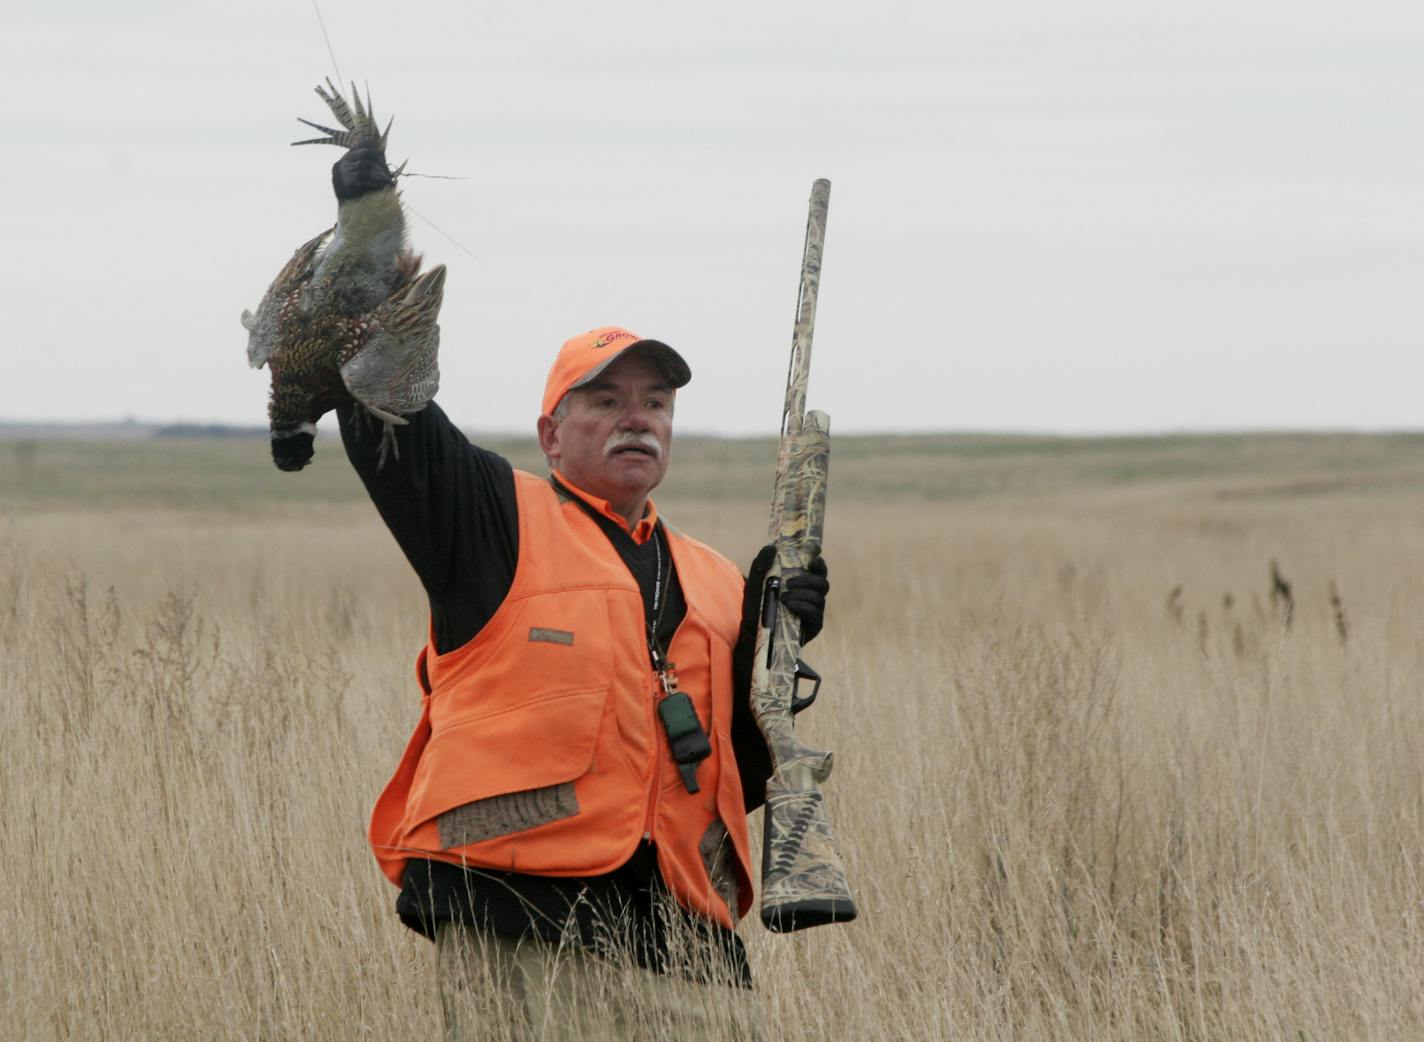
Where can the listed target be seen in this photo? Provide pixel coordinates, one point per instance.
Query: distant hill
(132, 430)
(209, 430)
(123, 430)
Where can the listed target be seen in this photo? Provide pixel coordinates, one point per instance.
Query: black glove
(362, 169)
(803, 595)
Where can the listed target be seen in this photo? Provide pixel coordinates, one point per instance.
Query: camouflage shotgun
(803, 882)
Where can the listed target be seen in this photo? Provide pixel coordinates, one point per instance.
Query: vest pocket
(501, 815)
(508, 771)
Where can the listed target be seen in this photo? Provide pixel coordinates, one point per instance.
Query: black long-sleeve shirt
(451, 507)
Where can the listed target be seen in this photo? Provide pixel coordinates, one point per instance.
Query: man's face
(615, 439)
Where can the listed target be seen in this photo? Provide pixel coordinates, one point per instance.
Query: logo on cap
(604, 341)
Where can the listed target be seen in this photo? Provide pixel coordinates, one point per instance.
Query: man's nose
(635, 418)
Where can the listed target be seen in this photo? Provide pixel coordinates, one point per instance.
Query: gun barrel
(800, 367)
(799, 370)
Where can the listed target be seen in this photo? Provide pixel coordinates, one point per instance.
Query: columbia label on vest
(541, 635)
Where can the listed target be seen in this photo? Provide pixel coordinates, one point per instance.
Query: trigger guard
(805, 672)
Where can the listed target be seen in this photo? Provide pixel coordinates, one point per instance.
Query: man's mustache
(642, 439)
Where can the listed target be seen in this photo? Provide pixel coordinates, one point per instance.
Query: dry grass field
(1090, 784)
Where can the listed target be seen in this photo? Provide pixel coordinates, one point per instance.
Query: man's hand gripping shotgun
(803, 881)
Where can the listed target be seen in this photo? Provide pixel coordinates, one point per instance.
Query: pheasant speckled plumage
(350, 316)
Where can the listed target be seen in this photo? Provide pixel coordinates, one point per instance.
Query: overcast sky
(1094, 216)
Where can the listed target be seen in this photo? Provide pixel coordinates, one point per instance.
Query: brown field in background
(1089, 783)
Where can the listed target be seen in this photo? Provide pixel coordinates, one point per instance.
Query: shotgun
(803, 881)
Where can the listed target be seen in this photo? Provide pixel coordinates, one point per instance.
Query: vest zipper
(657, 763)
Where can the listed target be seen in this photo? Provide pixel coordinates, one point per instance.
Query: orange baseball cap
(588, 354)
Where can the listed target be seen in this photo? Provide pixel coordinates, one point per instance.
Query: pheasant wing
(265, 327)
(396, 370)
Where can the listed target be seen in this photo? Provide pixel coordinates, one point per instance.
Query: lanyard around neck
(686, 737)
(662, 575)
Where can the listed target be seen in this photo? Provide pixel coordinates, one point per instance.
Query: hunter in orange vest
(559, 756)
(540, 748)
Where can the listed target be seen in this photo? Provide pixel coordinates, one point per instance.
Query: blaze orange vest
(539, 749)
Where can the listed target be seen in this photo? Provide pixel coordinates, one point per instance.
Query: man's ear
(548, 428)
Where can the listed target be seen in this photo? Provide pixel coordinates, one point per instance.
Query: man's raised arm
(450, 506)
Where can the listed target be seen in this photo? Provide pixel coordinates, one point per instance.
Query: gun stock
(803, 881)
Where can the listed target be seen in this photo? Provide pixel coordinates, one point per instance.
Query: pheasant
(350, 316)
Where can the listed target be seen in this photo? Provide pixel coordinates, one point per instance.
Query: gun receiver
(803, 881)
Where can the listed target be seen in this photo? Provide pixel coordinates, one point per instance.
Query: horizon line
(10, 429)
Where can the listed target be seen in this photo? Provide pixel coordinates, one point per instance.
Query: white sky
(1092, 216)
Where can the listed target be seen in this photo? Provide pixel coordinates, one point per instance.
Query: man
(570, 805)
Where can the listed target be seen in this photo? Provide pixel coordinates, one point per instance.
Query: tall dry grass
(1075, 804)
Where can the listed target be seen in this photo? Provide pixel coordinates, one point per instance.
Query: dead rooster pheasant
(350, 316)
